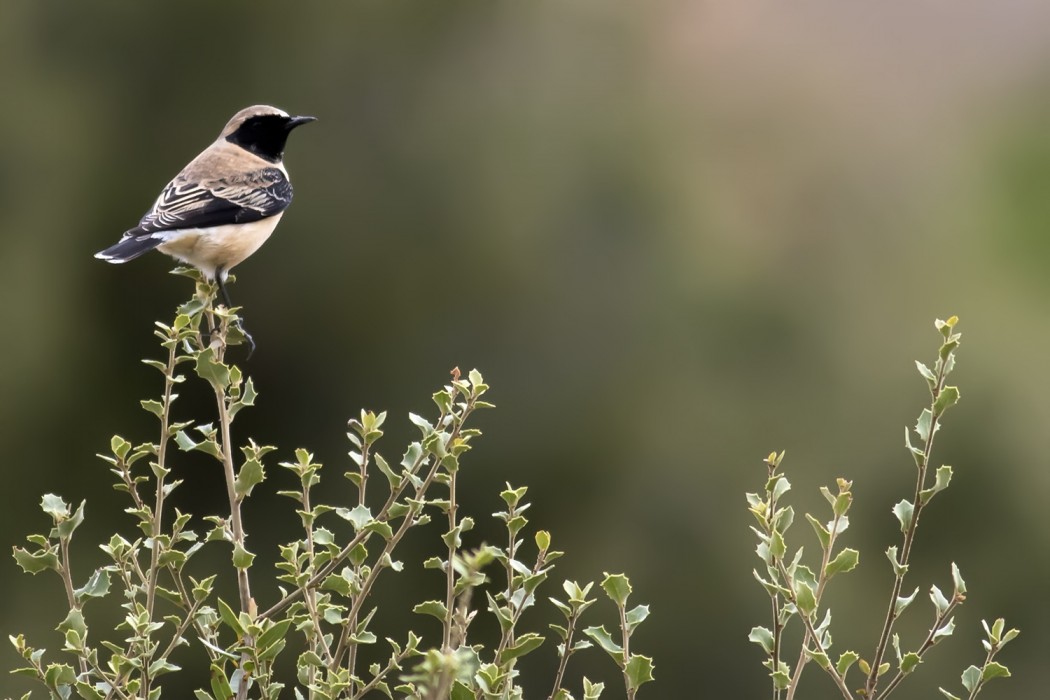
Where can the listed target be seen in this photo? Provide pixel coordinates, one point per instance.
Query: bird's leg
(220, 278)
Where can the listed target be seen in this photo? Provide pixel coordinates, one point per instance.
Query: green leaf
(392, 479)
(843, 562)
(898, 568)
(904, 511)
(35, 562)
(220, 686)
(994, 669)
(903, 602)
(762, 637)
(420, 422)
(971, 677)
(323, 536)
(617, 587)
(242, 558)
(380, 528)
(511, 496)
(184, 441)
(639, 671)
(74, 621)
(591, 691)
(432, 607)
(211, 370)
(84, 690)
(67, 526)
(805, 599)
(54, 505)
(460, 691)
(636, 617)
(783, 519)
(819, 657)
(358, 517)
(59, 675)
(842, 503)
(358, 554)
(909, 662)
(527, 642)
(97, 586)
(162, 666)
(846, 659)
(777, 546)
(247, 398)
(605, 641)
(941, 481)
(274, 634)
(926, 373)
(119, 446)
(948, 397)
(822, 532)
(939, 601)
(154, 407)
(502, 614)
(923, 425)
(948, 695)
(778, 485)
(250, 474)
(781, 677)
(945, 327)
(227, 615)
(945, 630)
(957, 580)
(412, 456)
(543, 540)
(337, 583)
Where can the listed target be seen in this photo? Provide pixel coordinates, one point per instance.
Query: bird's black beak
(298, 121)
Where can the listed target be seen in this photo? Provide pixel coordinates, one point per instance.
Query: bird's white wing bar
(250, 197)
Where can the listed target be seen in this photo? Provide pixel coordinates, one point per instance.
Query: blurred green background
(674, 236)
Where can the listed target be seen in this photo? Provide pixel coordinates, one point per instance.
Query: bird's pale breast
(208, 249)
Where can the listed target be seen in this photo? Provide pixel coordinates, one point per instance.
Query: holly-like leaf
(639, 671)
(617, 587)
(97, 586)
(35, 562)
(211, 370)
(904, 511)
(941, 481)
(432, 607)
(846, 659)
(54, 506)
(248, 476)
(762, 637)
(522, 645)
(605, 641)
(994, 669)
(844, 561)
(948, 397)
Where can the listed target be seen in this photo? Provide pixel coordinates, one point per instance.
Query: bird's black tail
(128, 248)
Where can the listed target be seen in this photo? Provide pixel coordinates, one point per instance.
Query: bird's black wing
(231, 200)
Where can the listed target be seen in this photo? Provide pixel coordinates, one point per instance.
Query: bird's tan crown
(248, 113)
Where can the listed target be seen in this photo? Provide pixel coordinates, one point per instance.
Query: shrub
(327, 572)
(795, 589)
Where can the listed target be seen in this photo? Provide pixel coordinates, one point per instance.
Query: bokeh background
(673, 235)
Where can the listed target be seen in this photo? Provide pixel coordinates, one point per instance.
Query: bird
(224, 204)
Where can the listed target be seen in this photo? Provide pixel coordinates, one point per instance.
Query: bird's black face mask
(265, 135)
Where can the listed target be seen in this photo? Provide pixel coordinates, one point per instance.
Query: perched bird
(224, 204)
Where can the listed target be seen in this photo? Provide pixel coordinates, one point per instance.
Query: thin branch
(158, 507)
(909, 538)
